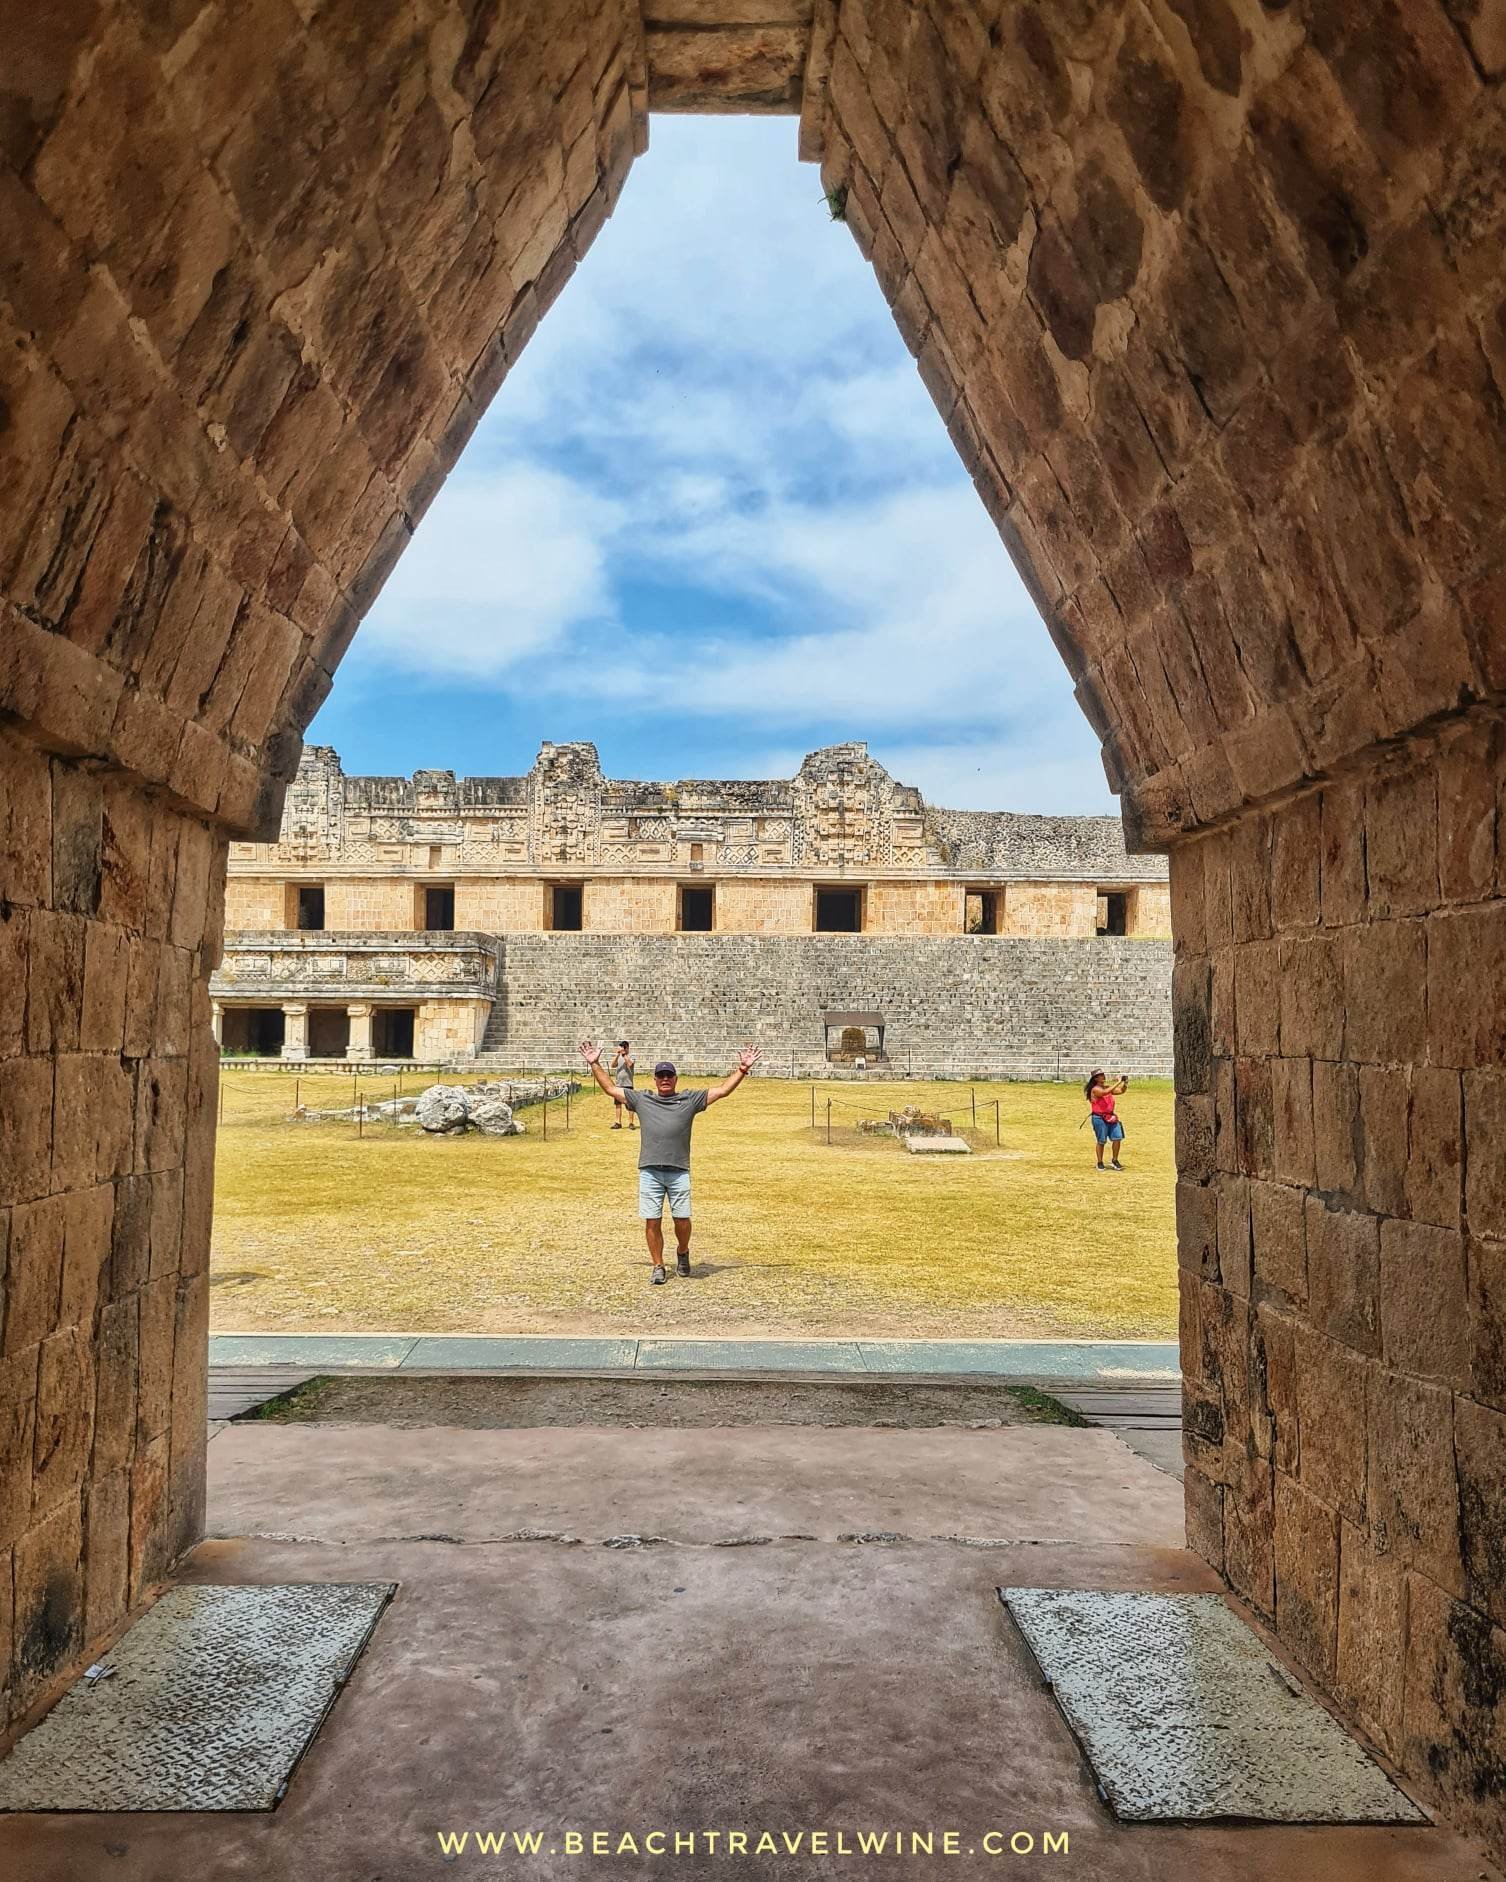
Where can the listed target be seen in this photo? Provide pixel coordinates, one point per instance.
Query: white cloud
(719, 411)
(502, 568)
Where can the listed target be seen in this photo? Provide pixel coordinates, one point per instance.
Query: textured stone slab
(938, 1146)
(215, 1695)
(749, 1356)
(480, 1353)
(1112, 1360)
(1185, 1716)
(314, 1350)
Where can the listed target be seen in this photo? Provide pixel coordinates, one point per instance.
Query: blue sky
(712, 521)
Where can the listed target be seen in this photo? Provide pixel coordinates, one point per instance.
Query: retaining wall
(967, 1004)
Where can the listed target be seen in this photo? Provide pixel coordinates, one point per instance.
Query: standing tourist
(1107, 1128)
(666, 1115)
(622, 1071)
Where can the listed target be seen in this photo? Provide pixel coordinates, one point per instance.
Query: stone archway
(1209, 300)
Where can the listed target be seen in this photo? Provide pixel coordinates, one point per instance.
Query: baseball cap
(664, 1069)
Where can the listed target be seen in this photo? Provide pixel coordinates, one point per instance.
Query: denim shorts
(655, 1183)
(1107, 1132)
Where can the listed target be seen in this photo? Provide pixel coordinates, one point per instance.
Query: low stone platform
(1030, 1362)
(780, 1630)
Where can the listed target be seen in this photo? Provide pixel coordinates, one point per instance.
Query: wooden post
(828, 1120)
(972, 1092)
(567, 1104)
(546, 1114)
(297, 1101)
(997, 1138)
(813, 1107)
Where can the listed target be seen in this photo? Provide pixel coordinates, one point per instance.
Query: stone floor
(785, 1628)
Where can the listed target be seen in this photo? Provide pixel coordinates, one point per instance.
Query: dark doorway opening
(392, 1032)
(439, 907)
(1114, 918)
(311, 906)
(255, 1030)
(566, 901)
(981, 911)
(839, 911)
(329, 1032)
(697, 908)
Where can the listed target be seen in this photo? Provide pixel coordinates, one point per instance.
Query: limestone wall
(499, 907)
(763, 906)
(913, 908)
(362, 905)
(108, 922)
(258, 902)
(970, 1003)
(622, 905)
(447, 1031)
(1150, 911)
(1340, 996)
(1044, 909)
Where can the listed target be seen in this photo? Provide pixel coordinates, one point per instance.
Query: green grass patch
(397, 1230)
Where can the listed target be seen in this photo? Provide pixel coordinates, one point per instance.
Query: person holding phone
(1107, 1128)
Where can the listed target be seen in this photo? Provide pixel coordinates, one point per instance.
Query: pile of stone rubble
(449, 1110)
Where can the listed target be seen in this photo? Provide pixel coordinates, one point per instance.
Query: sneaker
(682, 1264)
(657, 1277)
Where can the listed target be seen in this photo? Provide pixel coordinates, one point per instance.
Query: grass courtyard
(317, 1229)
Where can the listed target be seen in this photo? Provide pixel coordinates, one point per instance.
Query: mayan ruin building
(439, 919)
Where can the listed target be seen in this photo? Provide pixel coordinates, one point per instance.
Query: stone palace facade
(440, 919)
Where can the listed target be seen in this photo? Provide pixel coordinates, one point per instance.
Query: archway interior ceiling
(1206, 296)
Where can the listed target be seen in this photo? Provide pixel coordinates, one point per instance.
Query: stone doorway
(328, 1032)
(1207, 299)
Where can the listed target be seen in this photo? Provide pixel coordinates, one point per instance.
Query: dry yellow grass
(317, 1230)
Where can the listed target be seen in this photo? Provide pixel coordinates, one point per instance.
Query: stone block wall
(754, 905)
(109, 922)
(261, 268)
(256, 902)
(623, 905)
(498, 906)
(913, 908)
(449, 1030)
(1046, 909)
(372, 904)
(1340, 1010)
(1150, 911)
(967, 1003)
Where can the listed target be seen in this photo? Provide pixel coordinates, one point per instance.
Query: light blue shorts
(657, 1182)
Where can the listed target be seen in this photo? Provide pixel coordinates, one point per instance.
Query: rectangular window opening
(328, 1032)
(1113, 912)
(439, 907)
(252, 1031)
(566, 907)
(392, 1032)
(982, 911)
(839, 911)
(311, 906)
(697, 909)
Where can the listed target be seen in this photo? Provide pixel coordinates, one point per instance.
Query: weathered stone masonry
(1032, 991)
(1209, 298)
(967, 1005)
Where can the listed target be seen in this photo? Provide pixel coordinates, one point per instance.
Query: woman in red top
(1107, 1128)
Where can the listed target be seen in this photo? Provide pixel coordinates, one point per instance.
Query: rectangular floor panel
(1184, 1716)
(215, 1694)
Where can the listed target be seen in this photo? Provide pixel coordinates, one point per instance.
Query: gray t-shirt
(664, 1126)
